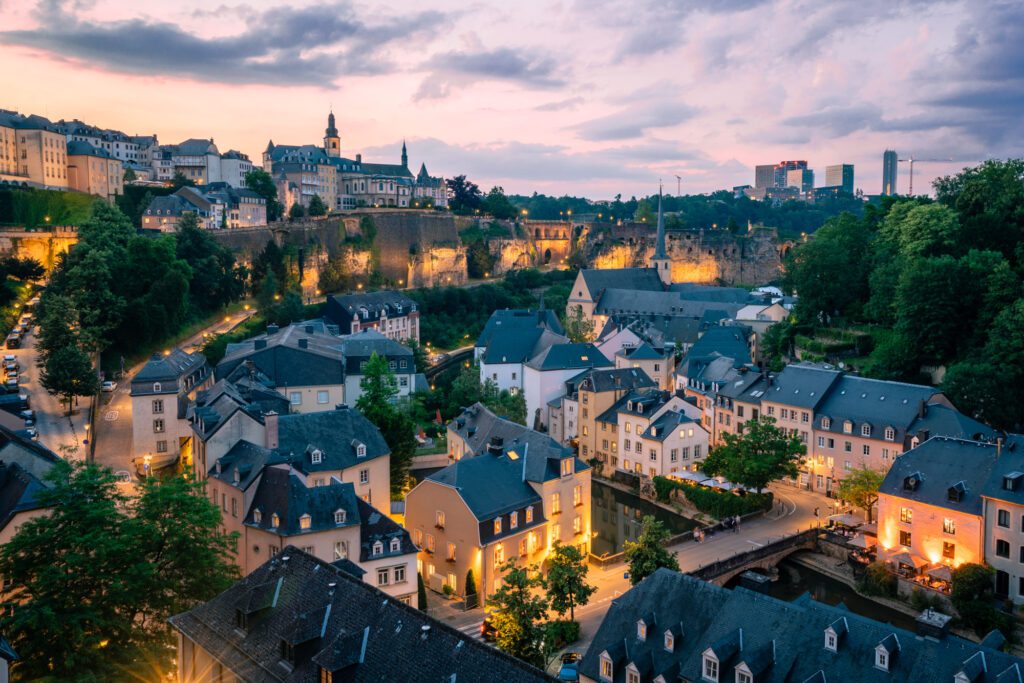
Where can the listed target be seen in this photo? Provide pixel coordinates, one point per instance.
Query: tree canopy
(648, 553)
(517, 613)
(260, 182)
(860, 487)
(758, 456)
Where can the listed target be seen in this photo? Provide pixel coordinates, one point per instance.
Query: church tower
(660, 260)
(405, 156)
(332, 143)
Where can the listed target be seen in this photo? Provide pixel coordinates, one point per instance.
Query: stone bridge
(765, 557)
(42, 244)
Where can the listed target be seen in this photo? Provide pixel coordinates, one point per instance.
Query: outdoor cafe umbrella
(941, 573)
(846, 520)
(911, 560)
(860, 541)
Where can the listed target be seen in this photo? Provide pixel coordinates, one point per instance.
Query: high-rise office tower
(840, 175)
(764, 176)
(784, 167)
(801, 178)
(889, 171)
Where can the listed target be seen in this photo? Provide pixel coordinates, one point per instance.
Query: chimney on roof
(303, 343)
(272, 328)
(359, 158)
(270, 422)
(999, 446)
(260, 344)
(922, 408)
(309, 329)
(933, 624)
(496, 446)
(341, 406)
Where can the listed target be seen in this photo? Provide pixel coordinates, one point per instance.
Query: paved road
(794, 511)
(62, 434)
(114, 416)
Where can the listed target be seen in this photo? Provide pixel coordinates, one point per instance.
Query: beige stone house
(513, 499)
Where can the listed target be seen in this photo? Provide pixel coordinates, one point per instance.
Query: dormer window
(497, 525)
(567, 467)
(157, 387)
(257, 516)
(361, 451)
(826, 423)
(607, 670)
(275, 521)
(513, 520)
(305, 521)
(317, 456)
(831, 643)
(529, 514)
(890, 434)
(670, 641)
(629, 405)
(847, 427)
(639, 408)
(339, 516)
(395, 546)
(955, 493)
(237, 477)
(882, 659)
(641, 630)
(865, 430)
(632, 675)
(912, 482)
(378, 548)
(709, 668)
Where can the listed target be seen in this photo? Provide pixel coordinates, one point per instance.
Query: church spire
(659, 246)
(332, 142)
(405, 155)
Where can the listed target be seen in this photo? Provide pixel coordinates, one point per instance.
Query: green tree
(419, 354)
(260, 182)
(645, 212)
(215, 280)
(97, 578)
(464, 196)
(471, 594)
(860, 488)
(129, 175)
(923, 319)
(972, 596)
(297, 211)
(267, 297)
(577, 327)
(758, 456)
(981, 389)
(989, 201)
(518, 612)
(497, 204)
(649, 553)
(23, 268)
(317, 206)
(567, 584)
(479, 260)
(379, 389)
(68, 373)
(179, 181)
(421, 593)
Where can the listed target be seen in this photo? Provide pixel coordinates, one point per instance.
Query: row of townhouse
(846, 421)
(216, 205)
(510, 493)
(954, 500)
(35, 151)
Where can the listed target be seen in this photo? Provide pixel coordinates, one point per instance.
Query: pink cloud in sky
(590, 98)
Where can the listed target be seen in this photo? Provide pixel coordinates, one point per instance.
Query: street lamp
(87, 428)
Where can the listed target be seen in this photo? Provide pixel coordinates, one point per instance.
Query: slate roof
(610, 379)
(376, 526)
(280, 491)
(19, 491)
(643, 351)
(598, 280)
(519, 346)
(280, 355)
(873, 402)
(82, 148)
(696, 292)
(731, 341)
(194, 147)
(33, 457)
(341, 309)
(660, 429)
(213, 407)
(943, 463)
(801, 385)
(569, 356)
(518, 320)
(647, 302)
(243, 464)
(779, 641)
(170, 205)
(170, 368)
(360, 346)
(366, 633)
(335, 433)
(1009, 463)
(477, 425)
(943, 420)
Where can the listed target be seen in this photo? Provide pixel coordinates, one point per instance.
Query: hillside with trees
(937, 284)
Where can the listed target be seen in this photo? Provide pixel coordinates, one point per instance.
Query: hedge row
(718, 504)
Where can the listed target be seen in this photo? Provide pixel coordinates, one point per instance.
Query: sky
(582, 97)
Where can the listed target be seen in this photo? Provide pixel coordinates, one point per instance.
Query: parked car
(27, 414)
(123, 475)
(31, 433)
(13, 341)
(109, 387)
(11, 384)
(569, 670)
(11, 365)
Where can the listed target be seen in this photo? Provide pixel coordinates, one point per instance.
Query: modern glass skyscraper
(841, 176)
(889, 171)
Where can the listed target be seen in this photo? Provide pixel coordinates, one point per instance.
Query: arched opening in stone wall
(547, 256)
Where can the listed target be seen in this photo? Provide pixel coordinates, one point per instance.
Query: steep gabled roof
(569, 356)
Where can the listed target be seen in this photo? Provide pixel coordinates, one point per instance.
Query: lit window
(274, 521)
(497, 525)
(513, 520)
(529, 514)
(305, 521)
(949, 526)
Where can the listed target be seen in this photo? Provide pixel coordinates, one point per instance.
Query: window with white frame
(399, 573)
(567, 467)
(361, 451)
(830, 640)
(317, 456)
(497, 525)
(382, 577)
(890, 434)
(607, 669)
(710, 669)
(396, 545)
(669, 641)
(339, 516)
(641, 630)
(513, 520)
(295, 398)
(305, 521)
(529, 514)
(378, 548)
(865, 430)
(322, 397)
(826, 423)
(275, 521)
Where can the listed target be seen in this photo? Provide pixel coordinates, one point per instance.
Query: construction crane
(912, 160)
(679, 186)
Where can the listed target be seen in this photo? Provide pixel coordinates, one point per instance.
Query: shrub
(562, 632)
(922, 600)
(878, 580)
(447, 590)
(718, 504)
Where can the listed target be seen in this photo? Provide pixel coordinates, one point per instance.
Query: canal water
(795, 580)
(616, 516)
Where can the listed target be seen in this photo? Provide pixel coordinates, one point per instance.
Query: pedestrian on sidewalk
(736, 526)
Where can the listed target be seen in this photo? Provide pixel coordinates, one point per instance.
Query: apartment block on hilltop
(94, 171)
(32, 151)
(511, 338)
(298, 618)
(515, 497)
(673, 627)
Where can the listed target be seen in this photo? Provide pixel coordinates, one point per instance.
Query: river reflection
(616, 517)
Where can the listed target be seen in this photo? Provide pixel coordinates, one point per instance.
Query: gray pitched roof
(301, 354)
(873, 402)
(213, 407)
(801, 385)
(939, 464)
(943, 420)
(243, 464)
(517, 320)
(731, 341)
(618, 300)
(642, 351)
(779, 641)
(172, 368)
(1006, 481)
(282, 493)
(335, 433)
(359, 347)
(368, 635)
(568, 356)
(19, 491)
(82, 148)
(599, 280)
(610, 379)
